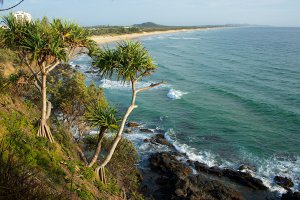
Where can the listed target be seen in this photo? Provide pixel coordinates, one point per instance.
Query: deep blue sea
(232, 97)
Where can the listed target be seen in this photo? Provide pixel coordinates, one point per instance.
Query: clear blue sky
(167, 12)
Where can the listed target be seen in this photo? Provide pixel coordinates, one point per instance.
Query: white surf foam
(266, 169)
(201, 156)
(110, 84)
(183, 38)
(175, 94)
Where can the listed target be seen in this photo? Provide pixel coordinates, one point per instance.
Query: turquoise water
(232, 97)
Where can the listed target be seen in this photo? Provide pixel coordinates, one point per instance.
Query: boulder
(133, 124)
(147, 140)
(245, 179)
(246, 167)
(160, 139)
(145, 130)
(127, 130)
(283, 182)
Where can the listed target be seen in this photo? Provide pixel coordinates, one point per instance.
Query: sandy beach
(104, 39)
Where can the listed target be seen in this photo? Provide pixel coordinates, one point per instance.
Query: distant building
(22, 16)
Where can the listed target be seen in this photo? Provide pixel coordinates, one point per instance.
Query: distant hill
(148, 25)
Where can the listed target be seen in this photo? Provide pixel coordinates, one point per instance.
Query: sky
(167, 12)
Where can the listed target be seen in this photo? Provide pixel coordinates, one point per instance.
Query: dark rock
(283, 182)
(245, 179)
(77, 66)
(201, 167)
(242, 178)
(177, 181)
(216, 171)
(166, 162)
(162, 180)
(146, 140)
(145, 130)
(133, 124)
(127, 130)
(89, 71)
(291, 196)
(160, 139)
(246, 167)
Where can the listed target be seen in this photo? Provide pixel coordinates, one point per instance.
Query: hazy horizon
(282, 13)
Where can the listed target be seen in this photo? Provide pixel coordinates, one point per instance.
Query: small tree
(104, 119)
(70, 96)
(130, 62)
(42, 46)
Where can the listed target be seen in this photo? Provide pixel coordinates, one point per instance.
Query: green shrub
(7, 55)
(123, 165)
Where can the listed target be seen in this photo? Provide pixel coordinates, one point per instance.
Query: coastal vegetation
(129, 62)
(41, 47)
(139, 28)
(56, 165)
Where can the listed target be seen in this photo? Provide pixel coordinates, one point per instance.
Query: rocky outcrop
(160, 139)
(283, 182)
(247, 168)
(132, 124)
(291, 196)
(127, 130)
(145, 130)
(245, 179)
(177, 181)
(242, 178)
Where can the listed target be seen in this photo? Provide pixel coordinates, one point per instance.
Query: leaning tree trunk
(117, 139)
(98, 149)
(44, 129)
(119, 135)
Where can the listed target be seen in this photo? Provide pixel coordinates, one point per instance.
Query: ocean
(232, 97)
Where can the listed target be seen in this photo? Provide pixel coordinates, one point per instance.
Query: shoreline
(105, 39)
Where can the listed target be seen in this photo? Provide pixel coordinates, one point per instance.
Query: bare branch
(35, 74)
(38, 86)
(150, 86)
(12, 6)
(51, 67)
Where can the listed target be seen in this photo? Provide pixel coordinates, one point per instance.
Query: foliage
(43, 46)
(112, 30)
(101, 116)
(129, 60)
(7, 55)
(70, 96)
(123, 165)
(18, 180)
(118, 30)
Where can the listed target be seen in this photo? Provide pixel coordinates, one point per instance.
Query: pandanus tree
(103, 118)
(129, 61)
(42, 46)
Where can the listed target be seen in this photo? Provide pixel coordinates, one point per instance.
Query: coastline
(105, 39)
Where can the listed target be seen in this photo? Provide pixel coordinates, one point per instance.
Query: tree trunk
(44, 129)
(119, 135)
(98, 149)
